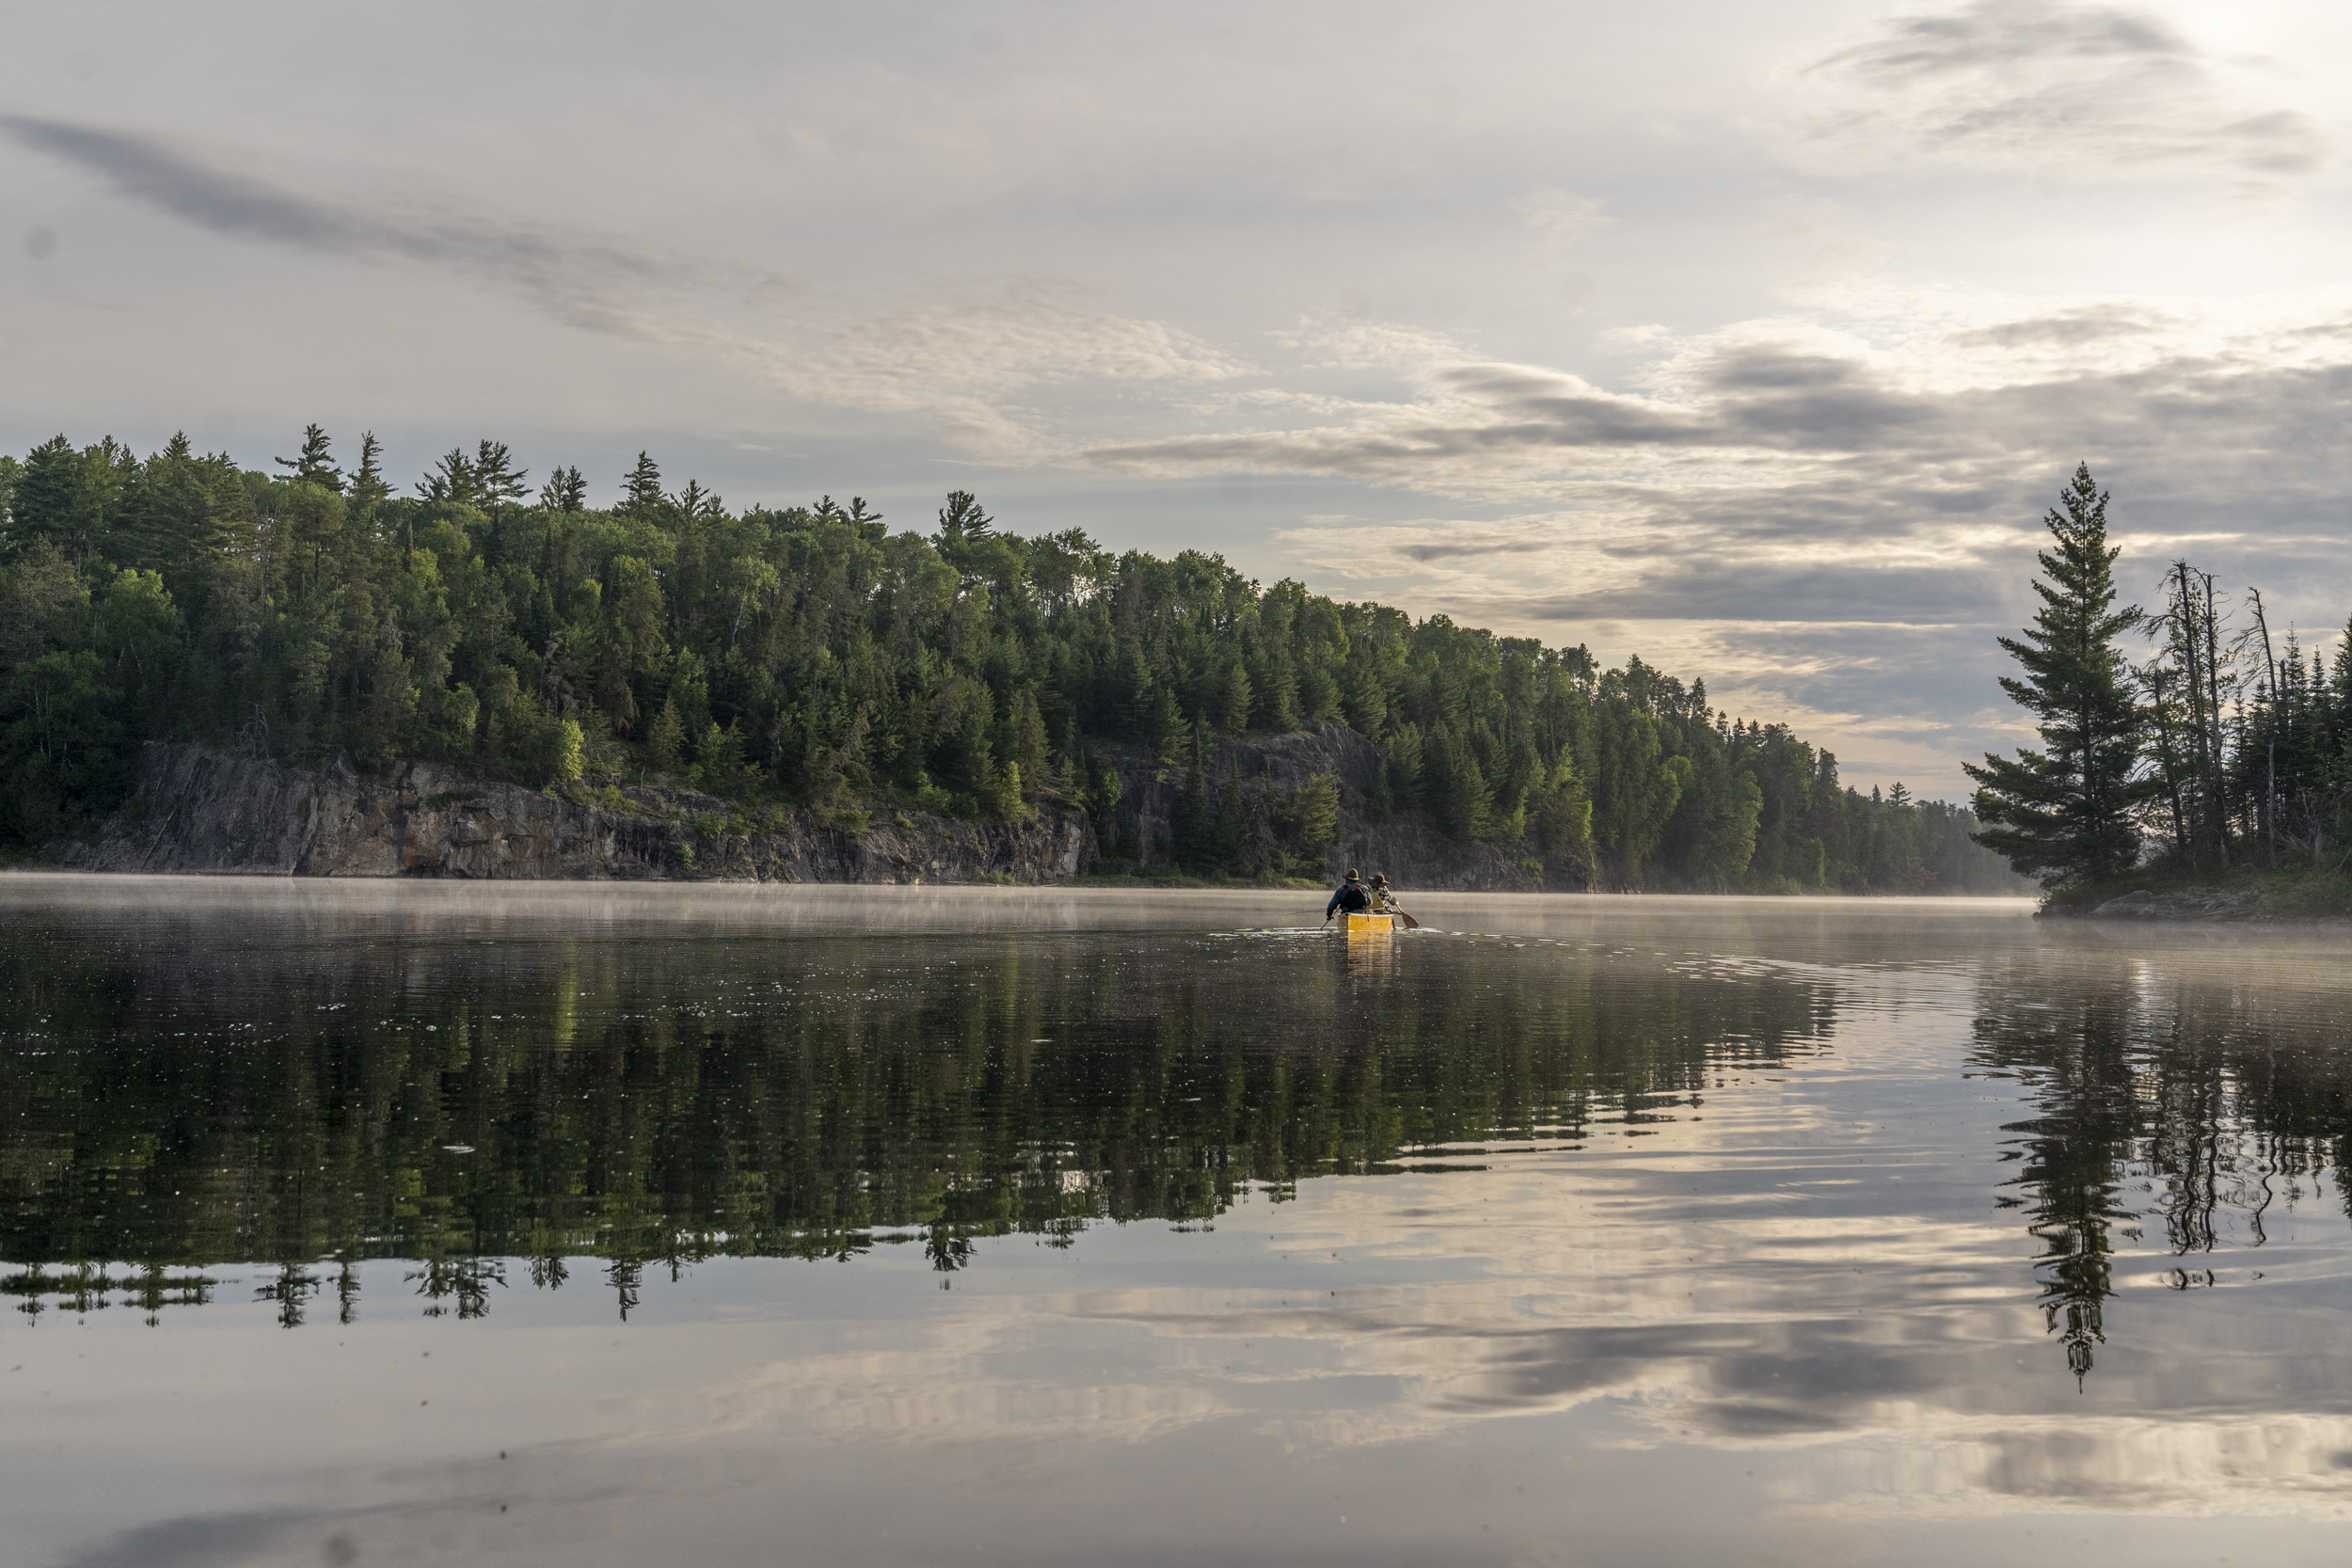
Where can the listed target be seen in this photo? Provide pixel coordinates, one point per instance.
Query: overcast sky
(1753, 339)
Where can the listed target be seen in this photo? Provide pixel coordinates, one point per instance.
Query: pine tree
(567, 490)
(368, 486)
(666, 743)
(1235, 698)
(1316, 808)
(57, 496)
(496, 481)
(1028, 743)
(698, 503)
(641, 487)
(453, 482)
(312, 467)
(2066, 814)
(962, 519)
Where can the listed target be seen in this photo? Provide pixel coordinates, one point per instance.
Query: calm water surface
(425, 1223)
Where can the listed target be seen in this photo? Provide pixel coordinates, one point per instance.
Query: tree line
(809, 657)
(2223, 744)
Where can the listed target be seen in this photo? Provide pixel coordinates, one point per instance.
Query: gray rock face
(203, 810)
(2184, 904)
(2138, 905)
(197, 810)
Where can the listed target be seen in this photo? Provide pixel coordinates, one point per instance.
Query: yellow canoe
(1369, 924)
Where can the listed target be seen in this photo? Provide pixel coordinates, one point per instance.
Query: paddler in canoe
(1384, 902)
(1352, 898)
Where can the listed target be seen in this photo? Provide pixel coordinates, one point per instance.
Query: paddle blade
(1410, 924)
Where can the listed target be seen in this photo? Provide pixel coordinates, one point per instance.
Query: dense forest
(811, 658)
(2183, 741)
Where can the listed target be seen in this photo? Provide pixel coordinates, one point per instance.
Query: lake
(536, 1223)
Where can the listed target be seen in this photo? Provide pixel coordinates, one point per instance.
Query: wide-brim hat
(1353, 874)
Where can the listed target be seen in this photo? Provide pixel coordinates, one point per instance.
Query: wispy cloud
(966, 358)
(587, 281)
(1875, 474)
(1559, 221)
(974, 358)
(2068, 91)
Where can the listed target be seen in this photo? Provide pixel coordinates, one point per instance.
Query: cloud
(956, 358)
(2068, 91)
(582, 280)
(1489, 427)
(1559, 221)
(2065, 329)
(1470, 545)
(965, 357)
(1832, 516)
(1351, 344)
(1929, 408)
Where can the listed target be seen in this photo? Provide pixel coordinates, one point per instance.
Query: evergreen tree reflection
(2200, 1090)
(290, 1290)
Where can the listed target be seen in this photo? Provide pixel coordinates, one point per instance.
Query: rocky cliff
(200, 809)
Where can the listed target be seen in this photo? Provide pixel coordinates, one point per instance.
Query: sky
(1753, 340)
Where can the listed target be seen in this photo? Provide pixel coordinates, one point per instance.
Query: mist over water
(346, 1222)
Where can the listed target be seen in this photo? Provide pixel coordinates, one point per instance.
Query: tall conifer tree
(314, 464)
(496, 481)
(369, 488)
(2066, 814)
(567, 490)
(641, 487)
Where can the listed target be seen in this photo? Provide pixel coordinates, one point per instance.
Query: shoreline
(2244, 895)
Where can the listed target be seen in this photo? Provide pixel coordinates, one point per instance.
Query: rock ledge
(197, 810)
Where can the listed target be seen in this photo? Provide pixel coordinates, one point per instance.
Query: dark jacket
(1351, 896)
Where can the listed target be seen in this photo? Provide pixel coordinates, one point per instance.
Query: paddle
(1410, 924)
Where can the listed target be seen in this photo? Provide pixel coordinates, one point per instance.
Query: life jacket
(1353, 897)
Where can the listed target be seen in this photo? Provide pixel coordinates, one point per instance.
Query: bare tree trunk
(2172, 774)
(2184, 618)
(2213, 713)
(2270, 779)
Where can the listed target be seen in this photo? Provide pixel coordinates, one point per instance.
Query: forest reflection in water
(1811, 1205)
(190, 1092)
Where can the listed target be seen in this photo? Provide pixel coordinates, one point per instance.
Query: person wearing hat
(1379, 893)
(1351, 896)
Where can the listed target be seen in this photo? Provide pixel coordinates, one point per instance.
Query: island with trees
(2211, 777)
(809, 668)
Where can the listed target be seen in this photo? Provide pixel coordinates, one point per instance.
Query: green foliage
(1317, 809)
(2227, 750)
(808, 656)
(2068, 814)
(61, 760)
(666, 743)
(312, 465)
(567, 761)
